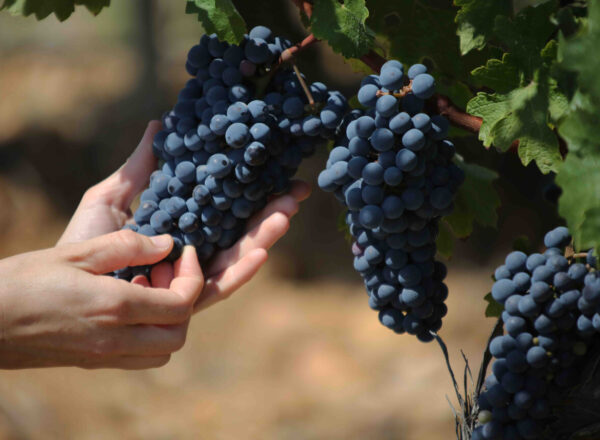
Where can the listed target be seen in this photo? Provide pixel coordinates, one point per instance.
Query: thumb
(189, 279)
(116, 250)
(124, 184)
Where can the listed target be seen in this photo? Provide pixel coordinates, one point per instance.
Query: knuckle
(179, 339)
(119, 308)
(105, 346)
(130, 240)
(92, 193)
(160, 361)
(183, 309)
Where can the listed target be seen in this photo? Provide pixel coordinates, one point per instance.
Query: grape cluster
(393, 170)
(236, 135)
(551, 313)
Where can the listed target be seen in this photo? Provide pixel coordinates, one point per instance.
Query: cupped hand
(56, 309)
(105, 208)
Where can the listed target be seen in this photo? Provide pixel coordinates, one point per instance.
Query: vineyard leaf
(405, 27)
(491, 108)
(43, 8)
(521, 114)
(219, 17)
(578, 53)
(474, 18)
(476, 201)
(526, 34)
(445, 240)
(500, 75)
(558, 103)
(579, 175)
(580, 128)
(94, 6)
(343, 26)
(579, 204)
(494, 309)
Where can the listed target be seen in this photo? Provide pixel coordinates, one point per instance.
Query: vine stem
(309, 95)
(401, 94)
(291, 52)
(579, 255)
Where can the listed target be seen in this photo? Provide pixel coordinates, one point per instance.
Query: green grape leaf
(411, 29)
(580, 128)
(579, 204)
(494, 309)
(476, 201)
(445, 240)
(521, 114)
(579, 175)
(43, 8)
(94, 6)
(219, 17)
(343, 26)
(526, 34)
(579, 53)
(473, 19)
(500, 75)
(358, 66)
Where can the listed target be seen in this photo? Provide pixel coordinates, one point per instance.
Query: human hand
(56, 309)
(105, 208)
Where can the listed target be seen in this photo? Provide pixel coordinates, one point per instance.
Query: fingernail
(162, 241)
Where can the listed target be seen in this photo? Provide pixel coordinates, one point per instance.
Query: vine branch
(291, 52)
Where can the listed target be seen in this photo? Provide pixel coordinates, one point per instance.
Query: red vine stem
(304, 6)
(291, 52)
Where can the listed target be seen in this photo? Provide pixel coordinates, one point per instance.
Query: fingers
(137, 303)
(120, 188)
(143, 363)
(263, 236)
(139, 340)
(136, 171)
(132, 177)
(287, 204)
(265, 228)
(189, 279)
(127, 362)
(117, 250)
(140, 280)
(117, 303)
(300, 190)
(231, 279)
(162, 274)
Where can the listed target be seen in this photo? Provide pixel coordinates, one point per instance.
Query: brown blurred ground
(297, 353)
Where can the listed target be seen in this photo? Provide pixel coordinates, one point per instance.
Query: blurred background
(295, 354)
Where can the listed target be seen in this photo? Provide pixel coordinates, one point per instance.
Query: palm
(105, 208)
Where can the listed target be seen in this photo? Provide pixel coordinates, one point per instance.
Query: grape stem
(309, 95)
(400, 94)
(579, 255)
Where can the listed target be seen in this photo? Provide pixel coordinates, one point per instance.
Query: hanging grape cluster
(393, 170)
(551, 312)
(237, 134)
